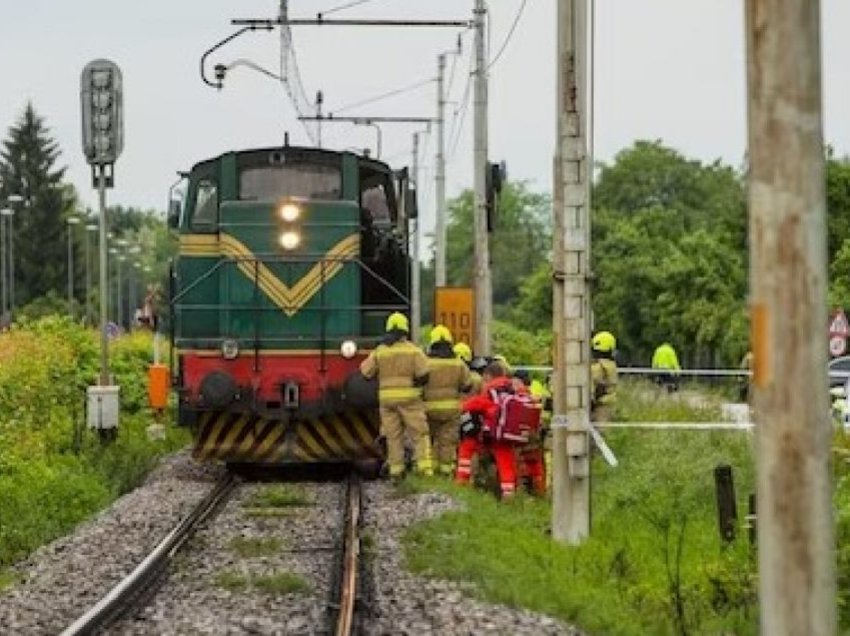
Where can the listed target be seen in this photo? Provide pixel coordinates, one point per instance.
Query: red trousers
(503, 453)
(532, 468)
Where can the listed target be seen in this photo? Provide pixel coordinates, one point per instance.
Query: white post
(570, 443)
(482, 281)
(787, 203)
(440, 179)
(416, 280)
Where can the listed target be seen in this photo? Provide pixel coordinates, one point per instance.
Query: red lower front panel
(263, 376)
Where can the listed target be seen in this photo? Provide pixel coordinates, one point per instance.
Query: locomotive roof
(318, 153)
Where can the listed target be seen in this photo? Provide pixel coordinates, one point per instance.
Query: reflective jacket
(603, 378)
(401, 369)
(665, 358)
(448, 377)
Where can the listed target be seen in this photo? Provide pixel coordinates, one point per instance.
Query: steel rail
(121, 597)
(350, 560)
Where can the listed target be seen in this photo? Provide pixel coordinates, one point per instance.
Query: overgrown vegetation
(251, 547)
(53, 472)
(277, 583)
(279, 496)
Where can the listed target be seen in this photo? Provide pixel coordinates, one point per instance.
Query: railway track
(125, 595)
(132, 593)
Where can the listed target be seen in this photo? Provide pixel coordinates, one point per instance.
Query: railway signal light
(102, 108)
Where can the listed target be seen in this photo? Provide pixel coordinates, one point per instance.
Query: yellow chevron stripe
(330, 440)
(365, 436)
(272, 440)
(291, 300)
(237, 428)
(312, 444)
(346, 437)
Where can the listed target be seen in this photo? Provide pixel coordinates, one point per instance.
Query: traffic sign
(837, 346)
(454, 307)
(838, 324)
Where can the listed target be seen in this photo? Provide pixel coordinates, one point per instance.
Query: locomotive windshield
(310, 181)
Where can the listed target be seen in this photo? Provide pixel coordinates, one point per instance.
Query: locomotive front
(290, 260)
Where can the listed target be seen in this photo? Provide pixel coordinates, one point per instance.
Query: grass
(279, 496)
(251, 547)
(8, 578)
(278, 583)
(654, 563)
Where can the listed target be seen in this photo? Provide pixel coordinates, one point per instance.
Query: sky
(664, 69)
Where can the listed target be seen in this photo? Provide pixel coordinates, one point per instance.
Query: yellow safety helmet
(604, 342)
(503, 361)
(441, 332)
(398, 321)
(462, 351)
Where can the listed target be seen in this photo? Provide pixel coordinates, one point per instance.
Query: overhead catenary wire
(343, 7)
(510, 34)
(382, 96)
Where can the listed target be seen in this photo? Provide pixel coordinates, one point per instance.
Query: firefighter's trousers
(444, 427)
(504, 455)
(396, 417)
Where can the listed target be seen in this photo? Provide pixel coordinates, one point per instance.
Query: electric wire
(387, 95)
(510, 34)
(459, 116)
(343, 7)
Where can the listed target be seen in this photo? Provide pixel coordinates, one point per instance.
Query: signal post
(101, 93)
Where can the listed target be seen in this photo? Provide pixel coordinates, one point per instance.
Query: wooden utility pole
(570, 443)
(482, 280)
(440, 178)
(788, 294)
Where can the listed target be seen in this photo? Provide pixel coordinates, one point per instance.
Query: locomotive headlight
(290, 212)
(290, 240)
(229, 349)
(348, 349)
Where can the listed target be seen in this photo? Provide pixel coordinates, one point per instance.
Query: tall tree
(520, 242)
(28, 168)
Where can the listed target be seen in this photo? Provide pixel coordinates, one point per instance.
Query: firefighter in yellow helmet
(402, 371)
(603, 376)
(463, 352)
(448, 377)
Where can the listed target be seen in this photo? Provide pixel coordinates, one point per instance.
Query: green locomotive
(290, 261)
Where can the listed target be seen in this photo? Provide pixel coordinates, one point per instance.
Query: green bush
(54, 473)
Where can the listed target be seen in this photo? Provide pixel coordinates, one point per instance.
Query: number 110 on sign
(454, 307)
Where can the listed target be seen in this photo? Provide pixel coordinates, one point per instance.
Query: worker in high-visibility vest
(448, 378)
(462, 351)
(666, 363)
(402, 370)
(603, 376)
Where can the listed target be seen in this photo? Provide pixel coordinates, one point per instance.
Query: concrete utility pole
(440, 179)
(570, 443)
(482, 281)
(416, 280)
(788, 293)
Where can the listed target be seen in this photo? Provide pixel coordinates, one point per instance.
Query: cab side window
(205, 215)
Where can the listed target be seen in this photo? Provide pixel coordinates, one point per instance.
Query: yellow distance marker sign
(454, 307)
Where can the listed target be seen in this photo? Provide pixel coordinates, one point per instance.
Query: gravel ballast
(216, 590)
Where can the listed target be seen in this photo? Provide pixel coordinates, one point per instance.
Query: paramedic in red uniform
(484, 409)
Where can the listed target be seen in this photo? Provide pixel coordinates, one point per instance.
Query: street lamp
(72, 221)
(13, 199)
(91, 228)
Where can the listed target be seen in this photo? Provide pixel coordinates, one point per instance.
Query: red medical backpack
(518, 417)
